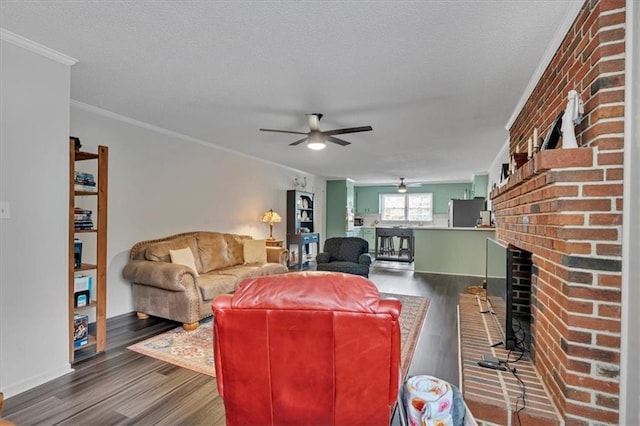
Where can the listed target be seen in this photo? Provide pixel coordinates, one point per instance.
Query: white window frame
(405, 214)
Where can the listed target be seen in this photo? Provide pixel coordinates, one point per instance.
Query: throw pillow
(184, 257)
(255, 251)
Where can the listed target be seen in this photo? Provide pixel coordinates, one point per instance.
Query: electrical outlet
(5, 211)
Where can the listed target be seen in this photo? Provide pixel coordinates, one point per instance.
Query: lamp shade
(270, 217)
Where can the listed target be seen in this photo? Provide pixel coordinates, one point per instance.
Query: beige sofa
(176, 292)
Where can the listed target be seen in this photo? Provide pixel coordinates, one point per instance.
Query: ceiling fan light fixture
(402, 188)
(316, 141)
(316, 146)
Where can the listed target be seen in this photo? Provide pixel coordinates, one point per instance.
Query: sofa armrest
(168, 276)
(364, 259)
(323, 258)
(277, 255)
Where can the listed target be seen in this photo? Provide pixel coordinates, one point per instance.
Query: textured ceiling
(437, 80)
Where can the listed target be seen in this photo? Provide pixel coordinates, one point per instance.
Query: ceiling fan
(402, 187)
(316, 138)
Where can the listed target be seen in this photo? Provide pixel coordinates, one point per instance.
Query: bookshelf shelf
(84, 193)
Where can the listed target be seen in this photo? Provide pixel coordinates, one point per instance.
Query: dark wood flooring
(122, 387)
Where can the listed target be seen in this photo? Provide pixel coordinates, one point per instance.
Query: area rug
(194, 349)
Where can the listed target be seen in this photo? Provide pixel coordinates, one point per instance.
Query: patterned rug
(194, 349)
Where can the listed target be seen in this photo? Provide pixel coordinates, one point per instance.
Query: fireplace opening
(521, 285)
(508, 294)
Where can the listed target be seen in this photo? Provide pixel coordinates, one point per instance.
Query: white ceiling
(437, 80)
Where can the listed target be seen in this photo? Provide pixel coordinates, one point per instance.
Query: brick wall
(565, 207)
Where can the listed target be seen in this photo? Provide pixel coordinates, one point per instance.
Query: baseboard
(32, 382)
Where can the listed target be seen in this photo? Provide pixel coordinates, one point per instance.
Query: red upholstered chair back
(307, 348)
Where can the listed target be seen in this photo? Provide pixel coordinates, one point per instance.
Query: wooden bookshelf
(97, 267)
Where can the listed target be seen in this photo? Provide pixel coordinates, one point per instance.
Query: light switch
(5, 211)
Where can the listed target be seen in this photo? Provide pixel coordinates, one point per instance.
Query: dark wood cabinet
(300, 213)
(301, 227)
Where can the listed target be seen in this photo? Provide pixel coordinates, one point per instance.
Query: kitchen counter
(454, 251)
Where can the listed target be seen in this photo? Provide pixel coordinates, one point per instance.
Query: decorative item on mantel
(572, 116)
(270, 217)
(533, 144)
(76, 142)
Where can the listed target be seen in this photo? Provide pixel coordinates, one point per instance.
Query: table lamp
(270, 217)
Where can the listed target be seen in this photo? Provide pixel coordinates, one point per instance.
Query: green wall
(442, 193)
(451, 251)
(339, 197)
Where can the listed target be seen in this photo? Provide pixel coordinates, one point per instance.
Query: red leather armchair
(307, 348)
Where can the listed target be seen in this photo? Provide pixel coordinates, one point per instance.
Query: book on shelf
(80, 330)
(77, 253)
(84, 178)
(85, 188)
(82, 219)
(82, 283)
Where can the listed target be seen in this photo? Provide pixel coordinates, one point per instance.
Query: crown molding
(124, 119)
(38, 48)
(562, 31)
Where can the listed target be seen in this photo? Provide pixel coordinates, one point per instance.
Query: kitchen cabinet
(369, 234)
(367, 200)
(356, 232)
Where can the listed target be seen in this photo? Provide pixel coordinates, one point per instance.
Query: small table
(274, 243)
(303, 239)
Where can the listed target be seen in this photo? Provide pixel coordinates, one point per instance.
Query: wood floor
(121, 387)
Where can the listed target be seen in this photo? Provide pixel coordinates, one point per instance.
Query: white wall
(495, 170)
(34, 135)
(161, 183)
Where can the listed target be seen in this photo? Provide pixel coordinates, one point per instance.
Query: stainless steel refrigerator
(465, 213)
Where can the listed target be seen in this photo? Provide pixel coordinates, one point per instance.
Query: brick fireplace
(564, 208)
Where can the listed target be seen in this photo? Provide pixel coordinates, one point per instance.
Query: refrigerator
(465, 213)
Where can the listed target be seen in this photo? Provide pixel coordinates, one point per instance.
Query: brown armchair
(307, 348)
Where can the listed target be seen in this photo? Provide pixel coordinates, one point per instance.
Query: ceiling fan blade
(283, 131)
(338, 141)
(298, 142)
(348, 130)
(314, 121)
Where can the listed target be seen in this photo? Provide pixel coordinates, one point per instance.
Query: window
(407, 207)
